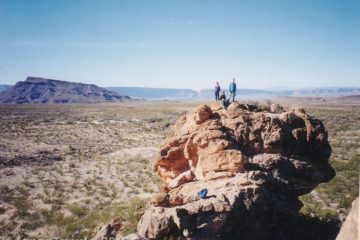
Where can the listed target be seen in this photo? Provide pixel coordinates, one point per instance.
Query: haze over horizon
(182, 44)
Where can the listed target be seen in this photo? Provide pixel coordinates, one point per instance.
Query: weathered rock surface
(110, 231)
(254, 164)
(350, 229)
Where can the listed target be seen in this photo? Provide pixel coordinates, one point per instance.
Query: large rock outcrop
(253, 163)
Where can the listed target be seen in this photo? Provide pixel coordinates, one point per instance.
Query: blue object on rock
(202, 193)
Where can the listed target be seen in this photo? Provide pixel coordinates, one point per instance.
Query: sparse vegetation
(335, 197)
(94, 160)
(78, 210)
(2, 210)
(96, 164)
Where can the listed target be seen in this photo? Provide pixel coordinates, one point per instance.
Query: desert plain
(68, 169)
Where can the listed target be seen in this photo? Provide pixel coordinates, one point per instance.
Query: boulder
(254, 164)
(276, 108)
(110, 230)
(207, 141)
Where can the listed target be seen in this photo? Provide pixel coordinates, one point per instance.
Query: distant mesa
(42, 90)
(4, 87)
(153, 93)
(242, 93)
(157, 93)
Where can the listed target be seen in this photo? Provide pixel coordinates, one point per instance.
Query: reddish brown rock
(254, 164)
(160, 199)
(276, 108)
(207, 141)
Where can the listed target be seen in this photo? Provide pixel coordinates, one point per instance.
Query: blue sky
(182, 44)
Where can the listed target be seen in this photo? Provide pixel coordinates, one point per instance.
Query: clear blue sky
(184, 43)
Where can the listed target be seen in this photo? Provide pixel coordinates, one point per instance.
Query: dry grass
(334, 199)
(66, 169)
(63, 166)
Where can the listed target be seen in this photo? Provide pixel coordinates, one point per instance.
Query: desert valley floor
(65, 170)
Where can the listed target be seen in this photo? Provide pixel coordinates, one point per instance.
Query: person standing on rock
(232, 89)
(217, 91)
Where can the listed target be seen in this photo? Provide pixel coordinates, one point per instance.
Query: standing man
(232, 89)
(217, 91)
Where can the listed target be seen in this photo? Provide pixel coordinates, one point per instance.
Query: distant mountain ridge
(4, 87)
(301, 92)
(169, 93)
(174, 93)
(42, 90)
(156, 93)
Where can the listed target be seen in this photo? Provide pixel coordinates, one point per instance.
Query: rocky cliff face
(254, 164)
(40, 90)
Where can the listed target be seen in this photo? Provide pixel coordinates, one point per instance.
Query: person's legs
(233, 97)
(227, 103)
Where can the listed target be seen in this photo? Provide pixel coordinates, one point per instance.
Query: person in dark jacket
(232, 89)
(217, 91)
(225, 102)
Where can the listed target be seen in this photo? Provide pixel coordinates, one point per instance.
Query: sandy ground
(72, 159)
(65, 166)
